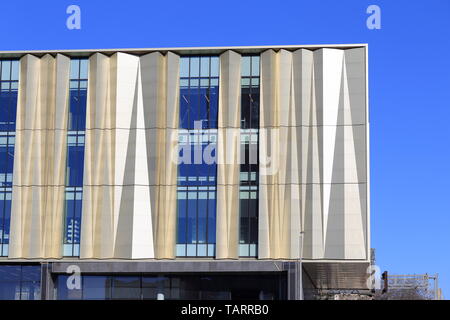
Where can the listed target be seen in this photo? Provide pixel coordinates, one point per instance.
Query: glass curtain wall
(197, 171)
(75, 155)
(176, 287)
(20, 282)
(9, 83)
(248, 195)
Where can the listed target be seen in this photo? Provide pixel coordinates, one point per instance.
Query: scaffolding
(426, 282)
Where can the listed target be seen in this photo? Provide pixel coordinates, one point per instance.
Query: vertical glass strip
(199, 94)
(249, 183)
(9, 83)
(75, 156)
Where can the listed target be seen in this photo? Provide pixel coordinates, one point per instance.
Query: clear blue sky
(409, 61)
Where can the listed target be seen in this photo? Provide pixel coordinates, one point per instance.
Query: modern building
(184, 173)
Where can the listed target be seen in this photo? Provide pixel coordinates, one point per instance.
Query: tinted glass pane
(68, 235)
(75, 165)
(82, 106)
(3, 157)
(10, 273)
(77, 220)
(126, 288)
(181, 218)
(203, 109)
(213, 106)
(4, 104)
(20, 282)
(192, 218)
(10, 290)
(74, 68)
(15, 70)
(211, 286)
(1, 223)
(31, 273)
(6, 220)
(6, 70)
(195, 67)
(96, 288)
(202, 214)
(245, 66)
(184, 108)
(214, 66)
(30, 290)
(198, 110)
(63, 291)
(204, 72)
(249, 155)
(9, 75)
(152, 286)
(253, 225)
(255, 66)
(84, 68)
(10, 159)
(75, 154)
(184, 67)
(212, 218)
(245, 108)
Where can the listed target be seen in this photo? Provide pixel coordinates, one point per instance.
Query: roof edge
(180, 50)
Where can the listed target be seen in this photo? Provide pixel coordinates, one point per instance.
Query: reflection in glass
(197, 176)
(20, 282)
(152, 286)
(128, 288)
(9, 76)
(175, 287)
(75, 156)
(96, 288)
(248, 199)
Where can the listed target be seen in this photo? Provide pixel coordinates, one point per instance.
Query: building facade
(184, 173)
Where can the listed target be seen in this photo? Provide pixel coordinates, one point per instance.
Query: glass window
(255, 66)
(84, 68)
(199, 92)
(30, 290)
(195, 67)
(128, 288)
(6, 70)
(152, 286)
(79, 69)
(15, 70)
(96, 288)
(248, 203)
(215, 67)
(63, 292)
(204, 66)
(20, 282)
(245, 66)
(10, 290)
(72, 225)
(74, 68)
(197, 171)
(9, 76)
(168, 287)
(184, 67)
(75, 164)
